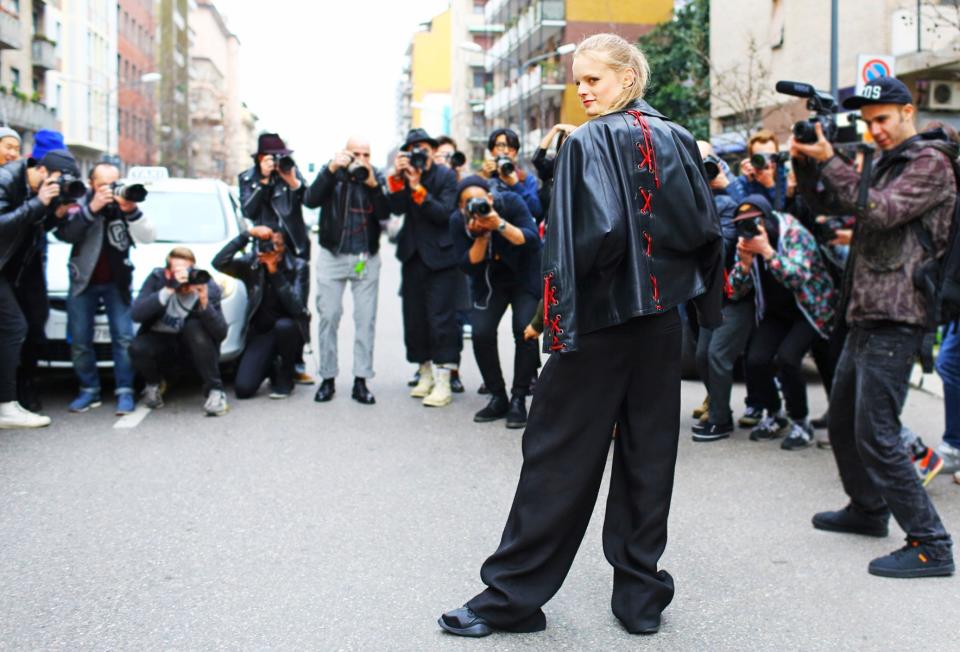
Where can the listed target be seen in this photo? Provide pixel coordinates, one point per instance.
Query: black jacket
(334, 194)
(147, 309)
(426, 226)
(632, 229)
(276, 202)
(291, 282)
(522, 260)
(21, 213)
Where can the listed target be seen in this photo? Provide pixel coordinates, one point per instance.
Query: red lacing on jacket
(649, 240)
(648, 154)
(656, 291)
(647, 198)
(551, 327)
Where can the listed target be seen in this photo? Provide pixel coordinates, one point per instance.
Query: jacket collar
(643, 107)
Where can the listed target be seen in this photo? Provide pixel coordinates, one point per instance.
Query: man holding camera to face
(425, 194)
(29, 191)
(178, 309)
(102, 230)
(505, 172)
(277, 318)
(353, 208)
(499, 248)
(762, 172)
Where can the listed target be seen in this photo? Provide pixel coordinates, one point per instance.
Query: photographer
(447, 154)
(506, 174)
(10, 143)
(100, 271)
(762, 172)
(544, 164)
(499, 247)
(911, 198)
(28, 194)
(425, 194)
(178, 309)
(276, 317)
(779, 260)
(353, 207)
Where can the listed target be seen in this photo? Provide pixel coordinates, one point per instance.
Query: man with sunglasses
(505, 173)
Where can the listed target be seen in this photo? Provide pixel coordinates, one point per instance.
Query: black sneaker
(497, 408)
(769, 428)
(751, 417)
(712, 432)
(851, 520)
(800, 436)
(913, 560)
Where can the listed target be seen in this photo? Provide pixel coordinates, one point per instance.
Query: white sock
(426, 368)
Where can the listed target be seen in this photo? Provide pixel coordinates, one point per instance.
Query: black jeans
(717, 353)
(826, 354)
(628, 374)
(526, 355)
(13, 331)
(257, 363)
(29, 285)
(430, 300)
(151, 352)
(777, 348)
(869, 389)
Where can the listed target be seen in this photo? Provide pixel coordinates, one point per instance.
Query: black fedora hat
(419, 135)
(272, 144)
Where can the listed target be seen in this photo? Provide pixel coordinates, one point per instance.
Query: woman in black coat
(632, 235)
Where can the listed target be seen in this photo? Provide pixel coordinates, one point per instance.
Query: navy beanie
(472, 180)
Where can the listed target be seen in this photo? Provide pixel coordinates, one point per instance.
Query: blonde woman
(633, 235)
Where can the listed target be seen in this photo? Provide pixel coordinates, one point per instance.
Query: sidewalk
(929, 383)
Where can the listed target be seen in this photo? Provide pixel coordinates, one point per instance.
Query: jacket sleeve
(147, 305)
(320, 190)
(462, 242)
(915, 192)
(519, 215)
(251, 201)
(398, 195)
(794, 267)
(741, 282)
(212, 317)
(228, 262)
(528, 191)
(13, 218)
(73, 228)
(440, 200)
(141, 229)
(378, 199)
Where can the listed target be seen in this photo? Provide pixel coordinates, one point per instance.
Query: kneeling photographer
(904, 208)
(497, 240)
(178, 309)
(505, 173)
(779, 260)
(276, 317)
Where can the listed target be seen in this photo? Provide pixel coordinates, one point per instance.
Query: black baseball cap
(882, 90)
(60, 160)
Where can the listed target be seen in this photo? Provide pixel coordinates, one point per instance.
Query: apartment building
(136, 49)
(173, 63)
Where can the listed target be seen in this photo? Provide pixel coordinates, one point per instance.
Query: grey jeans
(334, 271)
(717, 353)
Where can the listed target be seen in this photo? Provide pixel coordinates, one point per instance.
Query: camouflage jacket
(913, 182)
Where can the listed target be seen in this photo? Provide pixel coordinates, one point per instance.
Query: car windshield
(186, 216)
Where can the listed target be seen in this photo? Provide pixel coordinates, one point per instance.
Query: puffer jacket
(633, 228)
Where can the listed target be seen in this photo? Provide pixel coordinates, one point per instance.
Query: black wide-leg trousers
(628, 373)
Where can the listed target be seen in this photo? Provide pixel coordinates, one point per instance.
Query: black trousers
(777, 348)
(151, 353)
(29, 285)
(13, 331)
(869, 389)
(257, 363)
(826, 355)
(717, 353)
(430, 300)
(526, 357)
(628, 374)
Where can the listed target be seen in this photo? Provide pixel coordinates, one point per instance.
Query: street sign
(873, 66)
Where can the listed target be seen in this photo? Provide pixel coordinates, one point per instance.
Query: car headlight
(228, 285)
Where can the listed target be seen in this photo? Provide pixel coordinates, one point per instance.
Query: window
(15, 77)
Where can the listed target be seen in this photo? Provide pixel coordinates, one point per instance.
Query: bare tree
(744, 92)
(937, 17)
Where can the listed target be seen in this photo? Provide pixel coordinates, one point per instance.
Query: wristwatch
(502, 227)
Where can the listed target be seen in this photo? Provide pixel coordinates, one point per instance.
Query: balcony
(9, 31)
(542, 21)
(476, 96)
(26, 115)
(44, 53)
(539, 81)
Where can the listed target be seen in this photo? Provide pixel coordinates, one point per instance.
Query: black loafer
(361, 394)
(463, 622)
(325, 392)
(497, 408)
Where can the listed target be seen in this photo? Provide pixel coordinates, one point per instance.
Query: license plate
(101, 334)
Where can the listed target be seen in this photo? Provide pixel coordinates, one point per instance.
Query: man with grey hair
(353, 207)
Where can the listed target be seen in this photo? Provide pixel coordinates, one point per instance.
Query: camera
(712, 165)
(478, 206)
(264, 246)
(824, 106)
(285, 162)
(748, 227)
(418, 157)
(198, 276)
(71, 188)
(458, 159)
(505, 165)
(826, 231)
(357, 173)
(135, 192)
(761, 161)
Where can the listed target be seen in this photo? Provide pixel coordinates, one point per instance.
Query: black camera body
(748, 228)
(826, 231)
(198, 276)
(72, 188)
(712, 165)
(358, 173)
(135, 192)
(824, 106)
(506, 166)
(478, 206)
(285, 162)
(761, 161)
(458, 159)
(264, 246)
(418, 157)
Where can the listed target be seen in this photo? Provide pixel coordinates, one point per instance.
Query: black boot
(517, 416)
(27, 395)
(325, 392)
(497, 408)
(360, 392)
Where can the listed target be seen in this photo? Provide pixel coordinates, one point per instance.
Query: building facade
(173, 63)
(136, 48)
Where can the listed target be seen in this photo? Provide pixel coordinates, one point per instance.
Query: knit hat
(472, 180)
(7, 132)
(46, 141)
(60, 160)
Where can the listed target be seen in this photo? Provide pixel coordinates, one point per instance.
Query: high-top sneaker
(13, 416)
(441, 394)
(425, 382)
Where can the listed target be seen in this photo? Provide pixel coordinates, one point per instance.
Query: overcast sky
(316, 72)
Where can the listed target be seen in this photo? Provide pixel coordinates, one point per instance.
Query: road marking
(133, 419)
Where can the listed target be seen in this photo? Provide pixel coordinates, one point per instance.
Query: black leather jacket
(291, 282)
(268, 204)
(632, 229)
(21, 213)
(334, 194)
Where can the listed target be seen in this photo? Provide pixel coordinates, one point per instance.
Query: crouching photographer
(904, 209)
(178, 309)
(779, 260)
(276, 317)
(497, 240)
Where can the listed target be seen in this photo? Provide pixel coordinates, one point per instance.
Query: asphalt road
(292, 525)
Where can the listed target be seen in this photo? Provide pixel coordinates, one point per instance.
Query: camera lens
(748, 228)
(712, 168)
(358, 173)
(759, 161)
(478, 206)
(458, 159)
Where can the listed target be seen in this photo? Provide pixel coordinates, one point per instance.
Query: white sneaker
(216, 404)
(425, 384)
(13, 416)
(441, 394)
(951, 457)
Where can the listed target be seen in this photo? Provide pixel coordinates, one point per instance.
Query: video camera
(823, 104)
(418, 158)
(135, 192)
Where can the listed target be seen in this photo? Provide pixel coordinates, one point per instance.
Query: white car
(200, 214)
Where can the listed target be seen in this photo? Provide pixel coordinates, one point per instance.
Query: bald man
(353, 209)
